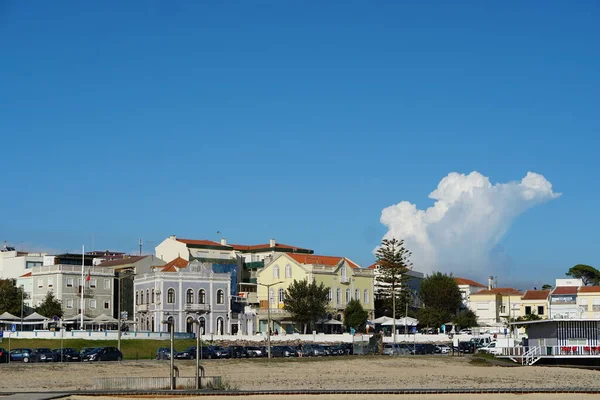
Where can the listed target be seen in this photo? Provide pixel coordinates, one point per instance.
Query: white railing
(102, 271)
(142, 307)
(197, 307)
(576, 350)
(344, 279)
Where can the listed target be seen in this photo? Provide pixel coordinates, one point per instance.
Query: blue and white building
(182, 291)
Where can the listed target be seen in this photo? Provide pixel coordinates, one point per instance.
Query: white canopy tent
(8, 317)
(381, 320)
(35, 317)
(405, 321)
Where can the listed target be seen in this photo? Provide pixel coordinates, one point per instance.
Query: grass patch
(132, 349)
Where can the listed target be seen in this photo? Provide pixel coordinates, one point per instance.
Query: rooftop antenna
(140, 244)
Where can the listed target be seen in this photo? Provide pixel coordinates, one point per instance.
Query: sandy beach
(372, 372)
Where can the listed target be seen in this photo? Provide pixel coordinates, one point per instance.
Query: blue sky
(298, 120)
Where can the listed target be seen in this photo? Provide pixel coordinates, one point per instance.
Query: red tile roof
(372, 266)
(565, 290)
(201, 242)
(463, 281)
(243, 247)
(589, 289)
(536, 295)
(501, 291)
(25, 275)
(122, 261)
(172, 266)
(330, 261)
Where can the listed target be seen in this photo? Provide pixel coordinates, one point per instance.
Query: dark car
(86, 350)
(209, 352)
(348, 348)
(465, 348)
(429, 348)
(312, 350)
(237, 352)
(164, 353)
(104, 354)
(220, 351)
(254, 351)
(66, 355)
(3, 355)
(21, 355)
(187, 354)
(42, 355)
(418, 349)
(283, 351)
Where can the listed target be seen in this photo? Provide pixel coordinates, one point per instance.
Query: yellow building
(345, 279)
(588, 302)
(494, 306)
(535, 302)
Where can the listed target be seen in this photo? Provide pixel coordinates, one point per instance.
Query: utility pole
(140, 244)
(268, 286)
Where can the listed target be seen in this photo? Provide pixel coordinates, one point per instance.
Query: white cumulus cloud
(461, 231)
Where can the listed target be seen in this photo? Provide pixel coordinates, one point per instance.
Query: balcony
(249, 297)
(254, 265)
(596, 307)
(142, 307)
(193, 307)
(344, 279)
(87, 293)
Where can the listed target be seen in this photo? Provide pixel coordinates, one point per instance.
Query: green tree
(50, 307)
(440, 291)
(529, 317)
(546, 287)
(465, 319)
(306, 302)
(588, 274)
(393, 264)
(431, 317)
(355, 315)
(11, 297)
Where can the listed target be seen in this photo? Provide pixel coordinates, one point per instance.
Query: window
(503, 309)
(147, 296)
(527, 310)
(79, 282)
(201, 296)
(288, 271)
(338, 296)
(356, 294)
(106, 305)
(153, 298)
(347, 296)
(281, 295)
(189, 296)
(69, 282)
(69, 303)
(366, 296)
(220, 296)
(40, 283)
(330, 295)
(271, 296)
(50, 282)
(92, 303)
(171, 296)
(107, 284)
(93, 283)
(540, 310)
(343, 274)
(276, 272)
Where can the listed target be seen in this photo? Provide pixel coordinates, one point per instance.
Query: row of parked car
(217, 352)
(390, 349)
(67, 354)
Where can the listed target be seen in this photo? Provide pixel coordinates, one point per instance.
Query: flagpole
(82, 303)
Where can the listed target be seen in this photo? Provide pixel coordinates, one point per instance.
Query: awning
(9, 317)
(381, 320)
(103, 318)
(408, 321)
(35, 317)
(78, 318)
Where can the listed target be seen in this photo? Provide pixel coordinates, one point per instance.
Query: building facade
(413, 282)
(15, 263)
(67, 284)
(494, 307)
(181, 292)
(588, 301)
(467, 287)
(563, 299)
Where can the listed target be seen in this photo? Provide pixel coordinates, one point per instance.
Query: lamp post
(22, 299)
(127, 274)
(268, 286)
(198, 348)
(171, 325)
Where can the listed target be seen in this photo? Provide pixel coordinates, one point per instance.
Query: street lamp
(268, 286)
(198, 348)
(127, 274)
(171, 324)
(22, 299)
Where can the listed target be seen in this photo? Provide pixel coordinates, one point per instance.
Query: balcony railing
(142, 307)
(577, 351)
(254, 264)
(344, 279)
(194, 307)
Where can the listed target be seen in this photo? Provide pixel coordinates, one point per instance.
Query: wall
(485, 306)
(169, 249)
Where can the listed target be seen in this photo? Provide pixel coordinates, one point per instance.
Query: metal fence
(155, 383)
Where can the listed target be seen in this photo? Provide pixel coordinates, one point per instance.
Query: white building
(413, 282)
(181, 292)
(563, 299)
(26, 283)
(467, 287)
(15, 263)
(66, 283)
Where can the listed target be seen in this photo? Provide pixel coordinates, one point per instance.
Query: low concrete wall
(155, 383)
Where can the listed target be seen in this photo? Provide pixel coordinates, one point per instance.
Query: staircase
(529, 357)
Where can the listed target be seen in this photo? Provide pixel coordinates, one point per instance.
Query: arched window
(171, 296)
(276, 272)
(153, 298)
(137, 297)
(202, 325)
(189, 296)
(343, 273)
(281, 295)
(219, 326)
(271, 296)
(141, 297)
(201, 296)
(220, 296)
(356, 294)
(366, 296)
(338, 296)
(330, 295)
(288, 271)
(171, 321)
(147, 296)
(347, 296)
(189, 324)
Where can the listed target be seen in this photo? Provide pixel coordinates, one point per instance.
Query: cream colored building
(494, 306)
(588, 301)
(535, 302)
(345, 280)
(467, 287)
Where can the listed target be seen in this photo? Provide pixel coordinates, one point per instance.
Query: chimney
(173, 237)
(272, 243)
(223, 242)
(490, 282)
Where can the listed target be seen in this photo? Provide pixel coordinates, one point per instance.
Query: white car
(491, 349)
(442, 349)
